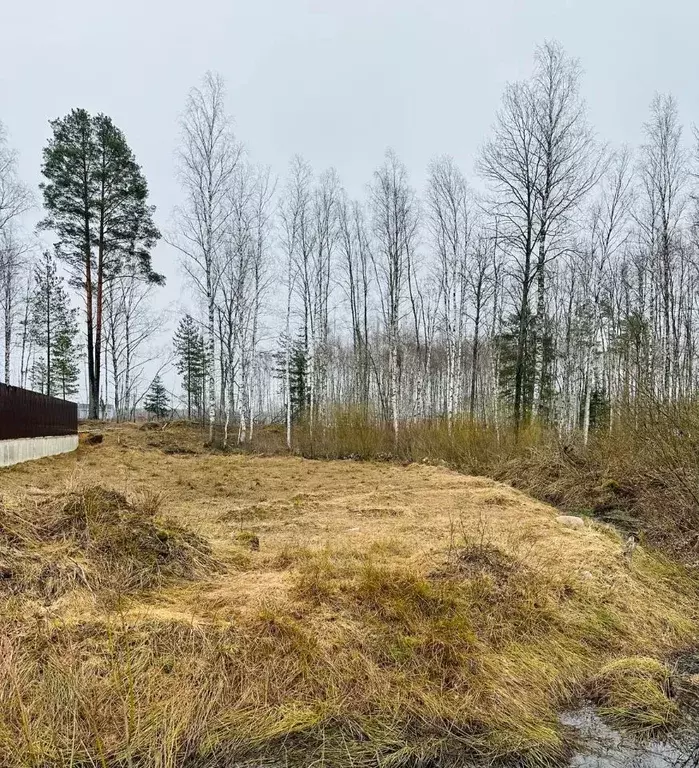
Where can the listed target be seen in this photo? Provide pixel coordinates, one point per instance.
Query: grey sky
(336, 81)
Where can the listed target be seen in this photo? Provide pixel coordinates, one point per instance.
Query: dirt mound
(94, 538)
(478, 560)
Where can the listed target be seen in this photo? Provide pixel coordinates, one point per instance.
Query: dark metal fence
(29, 414)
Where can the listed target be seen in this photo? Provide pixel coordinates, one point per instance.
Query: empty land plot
(161, 603)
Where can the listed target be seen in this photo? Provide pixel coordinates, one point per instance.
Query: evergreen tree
(38, 374)
(96, 199)
(298, 375)
(66, 368)
(157, 399)
(300, 401)
(191, 363)
(509, 362)
(54, 331)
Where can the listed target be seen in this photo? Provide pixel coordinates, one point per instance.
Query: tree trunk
(287, 362)
(9, 288)
(393, 372)
(212, 360)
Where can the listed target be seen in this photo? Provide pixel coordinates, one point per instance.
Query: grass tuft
(635, 693)
(248, 539)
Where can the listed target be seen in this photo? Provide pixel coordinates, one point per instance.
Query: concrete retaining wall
(28, 448)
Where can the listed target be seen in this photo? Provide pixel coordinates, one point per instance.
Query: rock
(571, 521)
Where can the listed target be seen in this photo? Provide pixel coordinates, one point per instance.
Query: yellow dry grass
(359, 614)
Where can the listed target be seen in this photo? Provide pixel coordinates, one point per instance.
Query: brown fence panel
(29, 414)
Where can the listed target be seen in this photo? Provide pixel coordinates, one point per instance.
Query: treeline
(556, 285)
(562, 291)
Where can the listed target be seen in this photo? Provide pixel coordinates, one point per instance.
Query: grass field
(163, 605)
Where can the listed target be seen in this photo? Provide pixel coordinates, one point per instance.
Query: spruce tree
(508, 345)
(66, 368)
(189, 348)
(157, 399)
(54, 331)
(96, 201)
(298, 375)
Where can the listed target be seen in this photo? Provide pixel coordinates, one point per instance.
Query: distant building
(107, 412)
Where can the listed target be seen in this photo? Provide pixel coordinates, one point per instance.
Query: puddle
(604, 747)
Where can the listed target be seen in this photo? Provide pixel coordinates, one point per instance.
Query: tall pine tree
(96, 201)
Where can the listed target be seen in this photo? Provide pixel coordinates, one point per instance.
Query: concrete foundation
(28, 448)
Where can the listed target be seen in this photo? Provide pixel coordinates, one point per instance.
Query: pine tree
(157, 399)
(96, 199)
(191, 364)
(54, 331)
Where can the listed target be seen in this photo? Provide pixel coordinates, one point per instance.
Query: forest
(552, 284)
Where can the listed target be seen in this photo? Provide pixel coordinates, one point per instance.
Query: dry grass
(642, 476)
(94, 539)
(344, 612)
(635, 693)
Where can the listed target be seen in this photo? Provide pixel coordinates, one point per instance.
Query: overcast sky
(337, 81)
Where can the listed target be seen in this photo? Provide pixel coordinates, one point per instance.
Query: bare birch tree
(569, 163)
(450, 226)
(395, 223)
(295, 217)
(356, 281)
(130, 323)
(15, 196)
(15, 264)
(208, 158)
(15, 200)
(510, 163)
(664, 175)
(608, 235)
